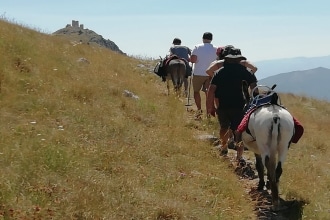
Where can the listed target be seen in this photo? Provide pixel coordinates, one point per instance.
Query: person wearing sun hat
(226, 86)
(221, 53)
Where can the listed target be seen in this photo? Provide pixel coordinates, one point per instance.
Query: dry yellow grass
(72, 146)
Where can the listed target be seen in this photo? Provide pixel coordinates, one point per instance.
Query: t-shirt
(228, 81)
(181, 51)
(206, 54)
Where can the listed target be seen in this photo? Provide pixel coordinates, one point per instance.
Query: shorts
(201, 83)
(230, 117)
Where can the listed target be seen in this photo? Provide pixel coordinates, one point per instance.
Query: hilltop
(79, 34)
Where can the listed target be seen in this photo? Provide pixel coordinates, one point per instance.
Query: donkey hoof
(277, 208)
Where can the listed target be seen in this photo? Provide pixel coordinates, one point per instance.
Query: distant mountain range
(311, 83)
(273, 67)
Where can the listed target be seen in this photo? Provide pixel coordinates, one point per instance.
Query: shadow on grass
(263, 199)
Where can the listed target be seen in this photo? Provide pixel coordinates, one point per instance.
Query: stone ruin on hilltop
(75, 24)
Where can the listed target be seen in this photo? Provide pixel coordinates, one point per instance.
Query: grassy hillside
(72, 146)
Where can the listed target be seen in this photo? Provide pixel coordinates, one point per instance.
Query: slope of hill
(311, 83)
(273, 67)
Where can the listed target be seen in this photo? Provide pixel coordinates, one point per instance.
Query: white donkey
(268, 134)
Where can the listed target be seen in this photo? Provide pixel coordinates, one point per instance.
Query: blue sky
(262, 29)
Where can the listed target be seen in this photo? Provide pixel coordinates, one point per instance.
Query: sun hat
(176, 41)
(235, 53)
(223, 51)
(207, 36)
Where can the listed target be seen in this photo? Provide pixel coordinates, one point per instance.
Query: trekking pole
(189, 85)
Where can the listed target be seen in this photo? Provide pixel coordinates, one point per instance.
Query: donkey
(268, 133)
(175, 71)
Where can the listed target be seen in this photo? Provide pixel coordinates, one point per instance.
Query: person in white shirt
(201, 56)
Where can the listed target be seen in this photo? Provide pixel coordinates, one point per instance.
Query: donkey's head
(259, 95)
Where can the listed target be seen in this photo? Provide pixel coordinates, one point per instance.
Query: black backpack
(159, 69)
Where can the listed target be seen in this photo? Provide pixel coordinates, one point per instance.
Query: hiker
(218, 63)
(184, 53)
(226, 86)
(202, 55)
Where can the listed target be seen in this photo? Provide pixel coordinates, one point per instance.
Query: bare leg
(205, 99)
(240, 146)
(197, 98)
(224, 135)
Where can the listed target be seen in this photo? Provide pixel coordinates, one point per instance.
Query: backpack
(159, 69)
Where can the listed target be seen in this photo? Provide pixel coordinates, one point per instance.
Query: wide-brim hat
(235, 57)
(235, 53)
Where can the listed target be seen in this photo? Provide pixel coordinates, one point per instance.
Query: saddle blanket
(299, 129)
(172, 57)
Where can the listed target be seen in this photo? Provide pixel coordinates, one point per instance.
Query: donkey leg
(176, 87)
(261, 172)
(186, 86)
(273, 184)
(168, 87)
(278, 175)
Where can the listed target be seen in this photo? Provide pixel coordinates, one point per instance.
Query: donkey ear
(245, 86)
(245, 90)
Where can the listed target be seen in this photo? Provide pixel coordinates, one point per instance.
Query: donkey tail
(274, 141)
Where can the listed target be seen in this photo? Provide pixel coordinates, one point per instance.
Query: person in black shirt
(226, 86)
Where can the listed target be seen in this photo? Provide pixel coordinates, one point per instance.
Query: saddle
(167, 59)
(268, 98)
(160, 68)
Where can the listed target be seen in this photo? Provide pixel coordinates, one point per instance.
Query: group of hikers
(218, 72)
(254, 117)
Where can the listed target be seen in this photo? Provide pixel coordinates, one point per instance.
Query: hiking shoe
(217, 142)
(232, 144)
(198, 113)
(223, 152)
